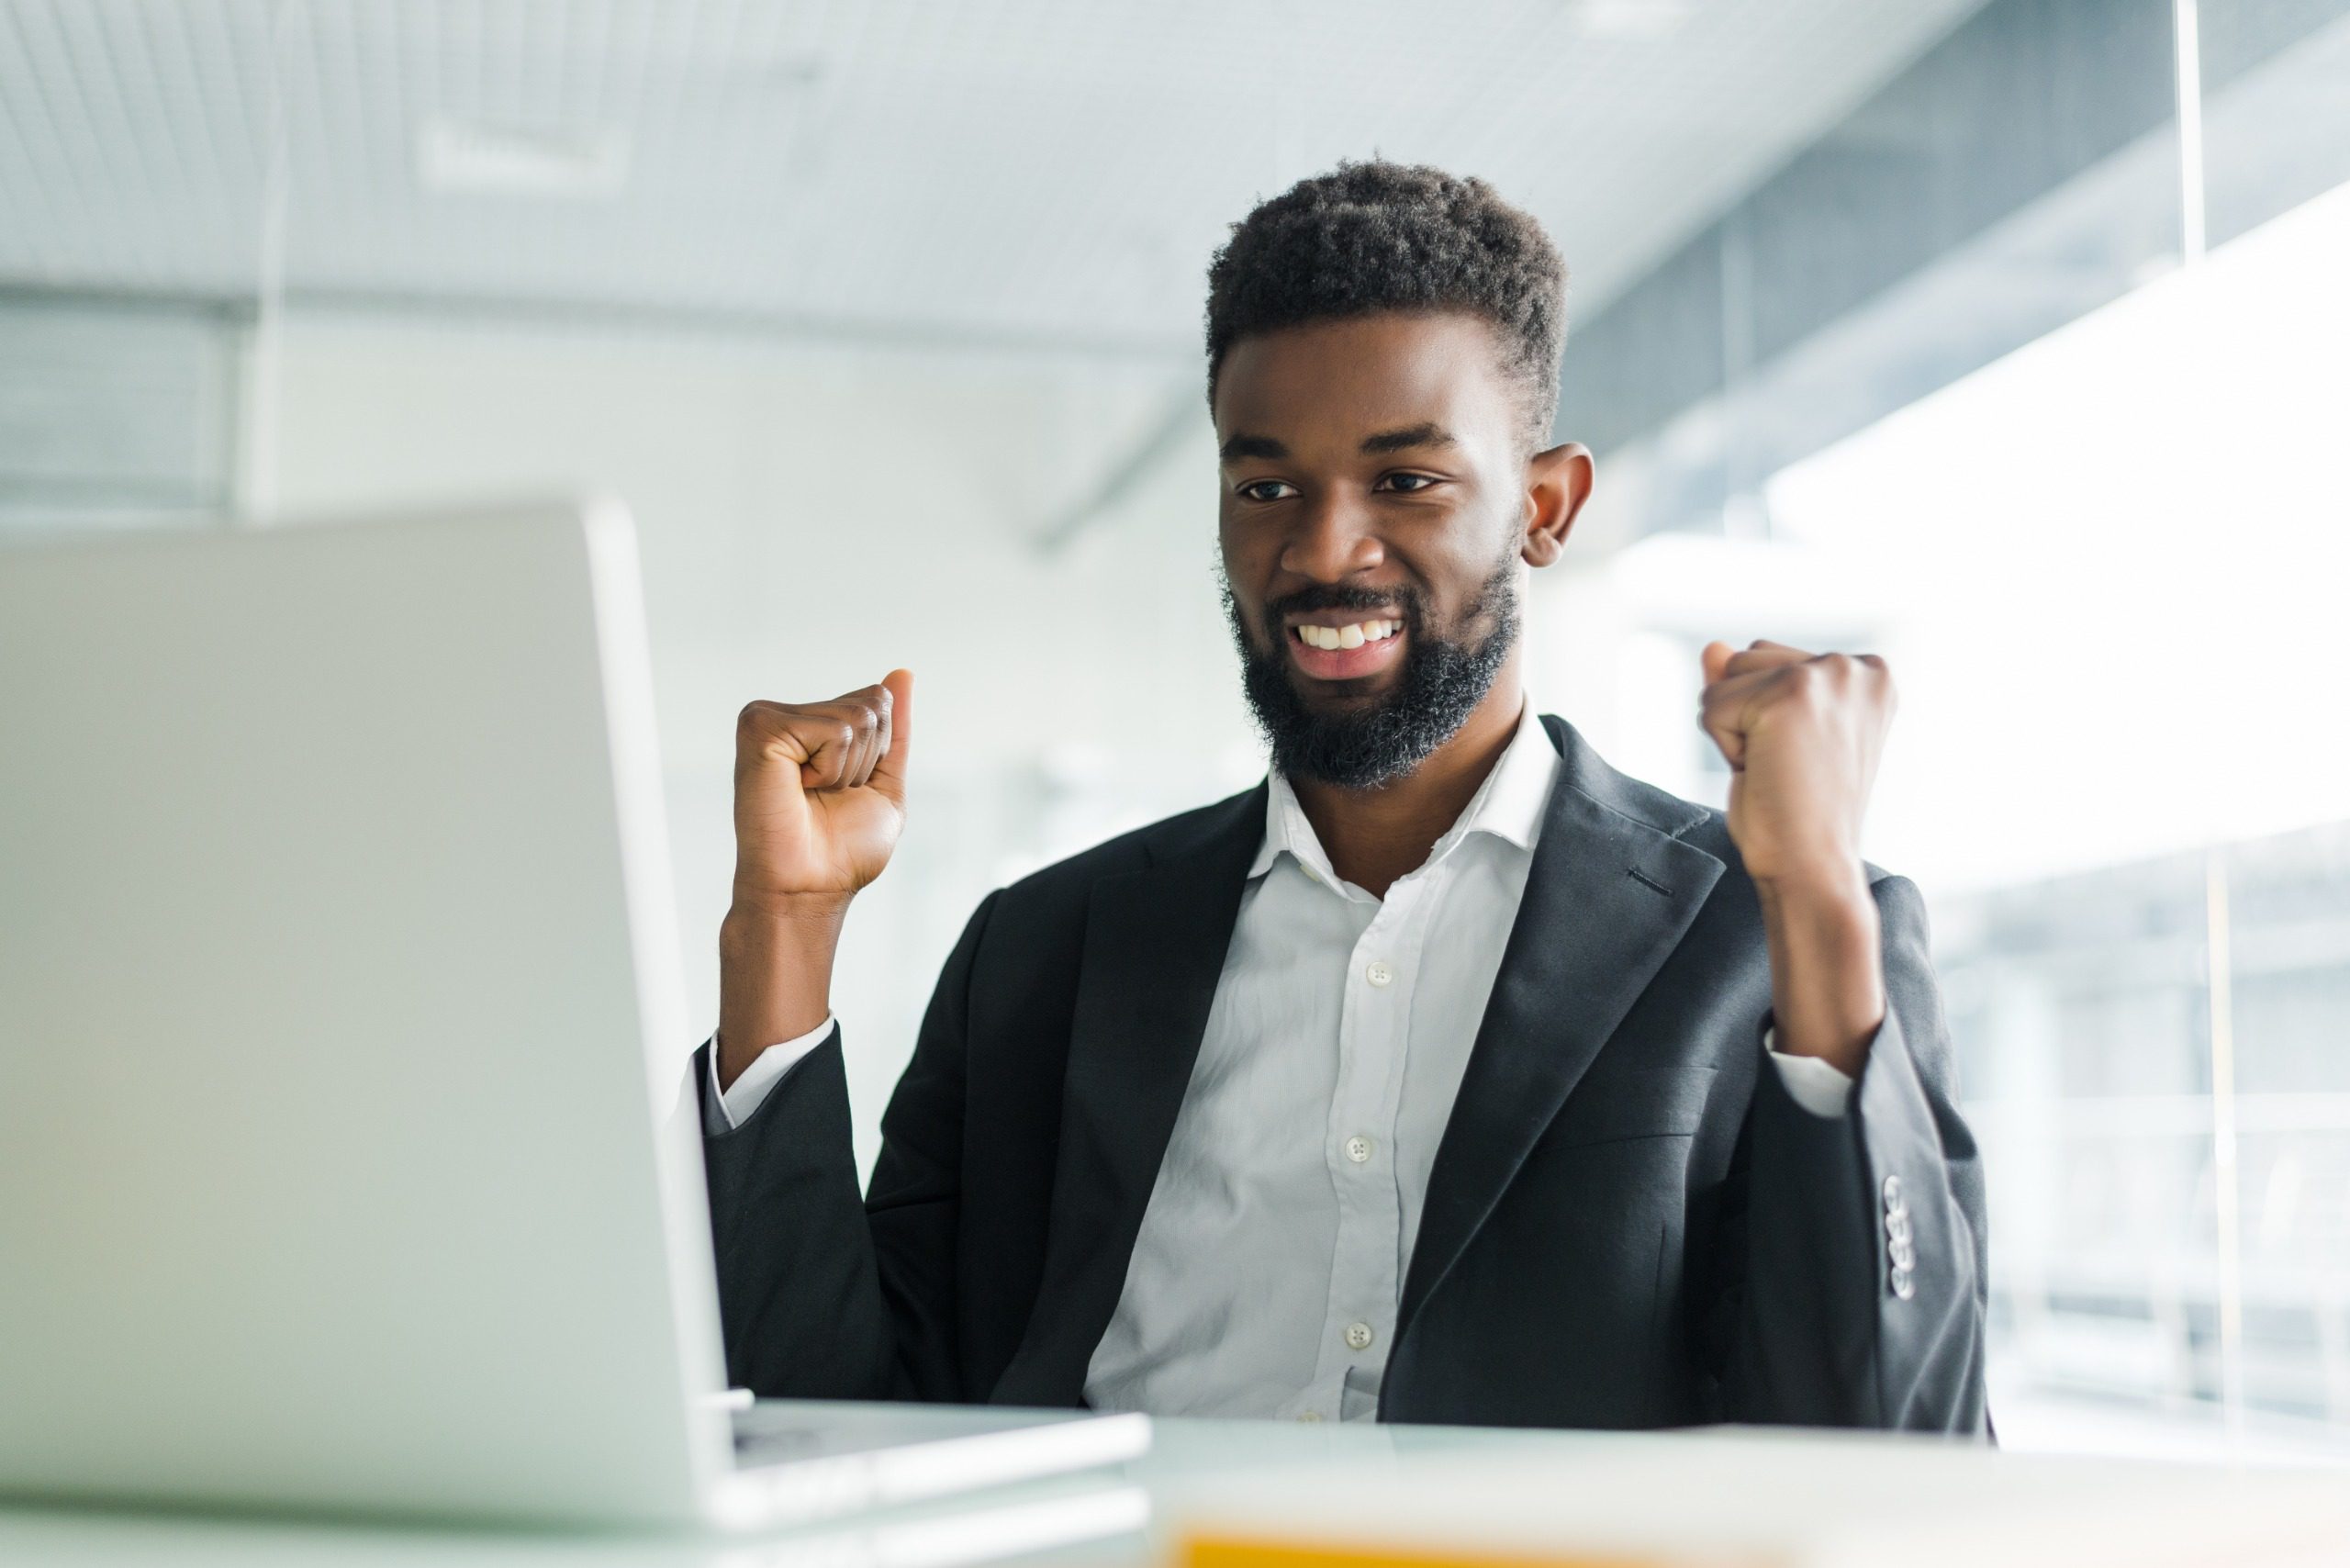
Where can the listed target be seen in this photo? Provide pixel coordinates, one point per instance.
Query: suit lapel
(1155, 945)
(1610, 894)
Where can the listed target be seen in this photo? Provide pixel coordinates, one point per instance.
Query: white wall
(811, 516)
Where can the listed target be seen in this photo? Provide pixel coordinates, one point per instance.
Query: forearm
(798, 1287)
(1852, 1261)
(775, 968)
(1826, 964)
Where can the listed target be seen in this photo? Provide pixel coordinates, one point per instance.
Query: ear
(1558, 482)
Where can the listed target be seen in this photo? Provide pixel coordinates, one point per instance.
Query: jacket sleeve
(822, 1295)
(1857, 1293)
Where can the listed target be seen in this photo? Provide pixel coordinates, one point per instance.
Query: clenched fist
(820, 794)
(1802, 732)
(820, 797)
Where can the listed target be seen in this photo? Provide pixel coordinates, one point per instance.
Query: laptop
(346, 1155)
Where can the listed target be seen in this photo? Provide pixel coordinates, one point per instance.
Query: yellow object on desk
(1757, 1499)
(1241, 1551)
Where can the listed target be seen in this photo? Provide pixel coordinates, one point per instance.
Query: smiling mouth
(1326, 649)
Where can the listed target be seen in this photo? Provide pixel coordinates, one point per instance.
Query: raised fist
(1802, 732)
(819, 795)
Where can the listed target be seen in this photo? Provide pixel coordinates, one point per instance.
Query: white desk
(1331, 1479)
(1187, 1456)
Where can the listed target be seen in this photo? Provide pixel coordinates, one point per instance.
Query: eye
(1406, 484)
(1264, 489)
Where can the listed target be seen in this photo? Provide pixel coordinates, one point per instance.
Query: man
(1448, 1075)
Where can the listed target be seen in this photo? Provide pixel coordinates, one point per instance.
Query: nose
(1333, 541)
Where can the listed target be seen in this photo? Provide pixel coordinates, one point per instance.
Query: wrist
(1824, 889)
(754, 906)
(775, 966)
(1827, 972)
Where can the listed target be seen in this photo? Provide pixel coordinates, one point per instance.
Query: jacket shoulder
(1064, 886)
(1700, 826)
(1583, 770)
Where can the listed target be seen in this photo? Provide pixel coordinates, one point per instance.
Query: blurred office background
(2006, 337)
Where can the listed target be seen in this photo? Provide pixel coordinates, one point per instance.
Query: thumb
(1715, 659)
(890, 773)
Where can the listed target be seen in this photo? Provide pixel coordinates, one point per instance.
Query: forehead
(1365, 372)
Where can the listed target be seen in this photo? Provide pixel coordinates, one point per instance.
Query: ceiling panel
(1047, 171)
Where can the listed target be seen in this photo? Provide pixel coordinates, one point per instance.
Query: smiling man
(1447, 1075)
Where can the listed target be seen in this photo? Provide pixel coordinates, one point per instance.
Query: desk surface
(1188, 1458)
(1327, 1479)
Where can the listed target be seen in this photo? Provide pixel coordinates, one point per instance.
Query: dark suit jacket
(1628, 1221)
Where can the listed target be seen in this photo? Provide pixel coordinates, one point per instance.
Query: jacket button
(1904, 1284)
(1894, 1203)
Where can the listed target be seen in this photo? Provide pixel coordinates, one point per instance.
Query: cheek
(1243, 577)
(1246, 553)
(1455, 564)
(1450, 544)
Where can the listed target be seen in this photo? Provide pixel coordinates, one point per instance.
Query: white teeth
(1353, 636)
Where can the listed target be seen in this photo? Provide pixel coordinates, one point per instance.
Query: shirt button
(1309, 1416)
(1379, 973)
(1357, 1149)
(1358, 1336)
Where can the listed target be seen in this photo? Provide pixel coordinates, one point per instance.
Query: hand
(820, 795)
(1802, 733)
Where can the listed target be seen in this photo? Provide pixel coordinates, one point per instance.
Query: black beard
(1362, 747)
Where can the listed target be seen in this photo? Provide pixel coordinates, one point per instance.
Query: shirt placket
(1358, 1142)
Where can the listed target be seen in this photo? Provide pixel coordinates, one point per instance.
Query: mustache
(1407, 603)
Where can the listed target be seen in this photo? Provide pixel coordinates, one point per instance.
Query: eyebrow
(1425, 433)
(1252, 446)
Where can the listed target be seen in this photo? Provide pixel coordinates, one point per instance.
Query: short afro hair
(1379, 236)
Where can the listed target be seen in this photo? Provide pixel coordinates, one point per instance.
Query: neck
(1374, 836)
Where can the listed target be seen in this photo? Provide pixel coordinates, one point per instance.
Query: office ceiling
(1045, 171)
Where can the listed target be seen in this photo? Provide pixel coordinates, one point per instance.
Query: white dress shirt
(1266, 1275)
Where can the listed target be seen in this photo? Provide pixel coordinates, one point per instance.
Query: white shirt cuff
(749, 1092)
(1818, 1086)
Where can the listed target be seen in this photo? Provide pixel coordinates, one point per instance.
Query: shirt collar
(1509, 804)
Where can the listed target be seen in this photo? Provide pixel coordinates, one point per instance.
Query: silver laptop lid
(336, 961)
